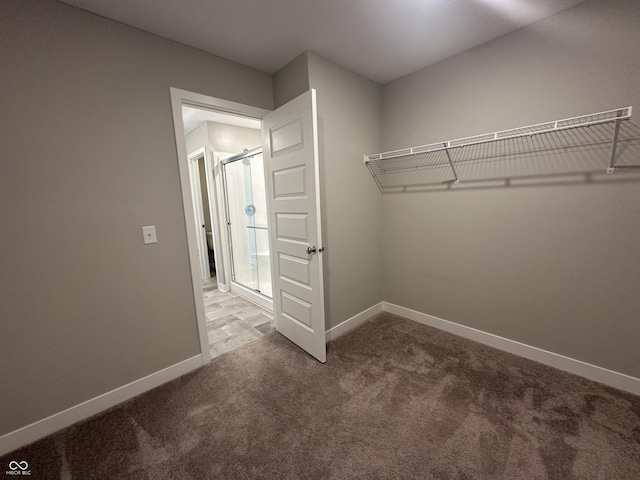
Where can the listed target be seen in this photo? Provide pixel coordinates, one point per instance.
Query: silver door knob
(311, 250)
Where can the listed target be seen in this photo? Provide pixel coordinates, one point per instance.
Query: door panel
(291, 170)
(296, 309)
(292, 227)
(294, 270)
(290, 182)
(286, 136)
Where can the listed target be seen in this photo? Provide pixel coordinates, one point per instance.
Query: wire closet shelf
(399, 170)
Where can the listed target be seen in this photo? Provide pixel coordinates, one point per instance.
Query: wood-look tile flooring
(232, 321)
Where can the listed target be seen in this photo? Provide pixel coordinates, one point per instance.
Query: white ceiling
(380, 39)
(193, 117)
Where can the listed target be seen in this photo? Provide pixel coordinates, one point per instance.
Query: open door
(196, 193)
(290, 140)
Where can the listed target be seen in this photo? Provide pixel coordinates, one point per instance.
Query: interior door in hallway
(290, 141)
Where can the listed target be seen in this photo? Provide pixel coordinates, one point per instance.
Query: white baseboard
(37, 430)
(353, 322)
(577, 367)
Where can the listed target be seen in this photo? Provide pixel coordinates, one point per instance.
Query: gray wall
(291, 81)
(85, 306)
(233, 139)
(197, 138)
(553, 265)
(349, 108)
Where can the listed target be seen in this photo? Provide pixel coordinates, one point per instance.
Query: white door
(196, 192)
(290, 140)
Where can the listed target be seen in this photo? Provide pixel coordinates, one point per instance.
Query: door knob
(311, 250)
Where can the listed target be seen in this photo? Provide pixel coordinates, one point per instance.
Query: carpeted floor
(396, 400)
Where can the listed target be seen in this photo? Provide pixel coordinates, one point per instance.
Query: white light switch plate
(149, 234)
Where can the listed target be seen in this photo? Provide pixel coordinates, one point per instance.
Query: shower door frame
(236, 287)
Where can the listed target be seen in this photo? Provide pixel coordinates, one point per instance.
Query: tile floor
(232, 321)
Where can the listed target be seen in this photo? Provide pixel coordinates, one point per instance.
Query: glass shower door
(247, 221)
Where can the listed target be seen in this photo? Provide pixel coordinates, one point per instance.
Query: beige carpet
(396, 400)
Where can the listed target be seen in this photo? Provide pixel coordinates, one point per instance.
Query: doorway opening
(226, 177)
(289, 138)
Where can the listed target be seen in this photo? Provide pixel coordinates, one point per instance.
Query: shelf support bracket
(453, 169)
(614, 145)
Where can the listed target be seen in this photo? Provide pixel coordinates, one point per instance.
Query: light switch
(149, 234)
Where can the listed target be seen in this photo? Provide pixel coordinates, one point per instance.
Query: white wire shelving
(402, 170)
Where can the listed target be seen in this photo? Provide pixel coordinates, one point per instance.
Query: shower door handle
(311, 250)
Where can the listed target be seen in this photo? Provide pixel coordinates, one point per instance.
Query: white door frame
(198, 203)
(215, 192)
(178, 99)
(214, 189)
(216, 182)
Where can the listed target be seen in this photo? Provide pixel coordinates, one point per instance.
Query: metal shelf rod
(614, 144)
